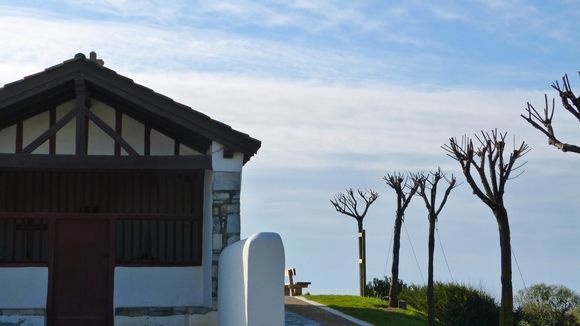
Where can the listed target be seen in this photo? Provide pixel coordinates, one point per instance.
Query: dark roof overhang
(55, 85)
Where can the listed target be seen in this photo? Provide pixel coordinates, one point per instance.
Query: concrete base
(19, 320)
(209, 319)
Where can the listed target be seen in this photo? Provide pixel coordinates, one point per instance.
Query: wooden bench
(292, 288)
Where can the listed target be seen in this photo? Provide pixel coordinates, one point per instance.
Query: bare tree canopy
(428, 184)
(494, 168)
(490, 151)
(543, 122)
(348, 204)
(405, 187)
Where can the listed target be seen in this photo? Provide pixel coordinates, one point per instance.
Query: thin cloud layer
(414, 43)
(321, 126)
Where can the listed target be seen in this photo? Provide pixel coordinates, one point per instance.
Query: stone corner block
(227, 181)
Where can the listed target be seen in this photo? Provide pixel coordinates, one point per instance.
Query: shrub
(576, 313)
(455, 304)
(380, 288)
(543, 304)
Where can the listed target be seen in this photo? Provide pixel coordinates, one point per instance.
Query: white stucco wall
(219, 163)
(158, 286)
(134, 133)
(23, 287)
(8, 140)
(99, 143)
(34, 127)
(66, 136)
(264, 277)
(251, 282)
(207, 235)
(231, 290)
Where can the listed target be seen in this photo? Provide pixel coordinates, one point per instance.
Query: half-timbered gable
(115, 201)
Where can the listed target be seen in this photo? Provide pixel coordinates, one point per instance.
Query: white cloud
(131, 45)
(323, 125)
(153, 9)
(251, 13)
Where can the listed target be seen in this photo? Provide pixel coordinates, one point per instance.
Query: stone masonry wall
(226, 218)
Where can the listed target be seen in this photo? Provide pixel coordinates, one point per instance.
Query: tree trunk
(507, 300)
(430, 292)
(394, 292)
(361, 258)
(364, 250)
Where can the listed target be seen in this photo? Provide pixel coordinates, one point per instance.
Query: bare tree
(347, 203)
(405, 188)
(543, 122)
(428, 183)
(490, 189)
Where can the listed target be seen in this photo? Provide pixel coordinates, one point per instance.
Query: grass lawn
(371, 310)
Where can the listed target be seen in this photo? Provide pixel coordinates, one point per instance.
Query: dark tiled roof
(161, 105)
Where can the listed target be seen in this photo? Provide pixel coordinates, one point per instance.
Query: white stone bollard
(251, 282)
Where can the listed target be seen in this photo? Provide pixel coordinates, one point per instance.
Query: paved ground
(300, 313)
(293, 319)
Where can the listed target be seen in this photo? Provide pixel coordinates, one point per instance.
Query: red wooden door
(81, 272)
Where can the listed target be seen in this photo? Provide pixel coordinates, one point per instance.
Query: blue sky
(341, 93)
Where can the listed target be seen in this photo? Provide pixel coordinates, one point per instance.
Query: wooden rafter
(19, 136)
(158, 123)
(147, 140)
(118, 130)
(118, 139)
(51, 123)
(82, 113)
(81, 110)
(50, 132)
(104, 162)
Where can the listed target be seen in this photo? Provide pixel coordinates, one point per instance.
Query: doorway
(81, 273)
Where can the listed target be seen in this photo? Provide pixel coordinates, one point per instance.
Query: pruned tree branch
(347, 203)
(428, 183)
(543, 122)
(491, 151)
(404, 186)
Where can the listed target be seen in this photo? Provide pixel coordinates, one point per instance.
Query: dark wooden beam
(147, 141)
(102, 162)
(81, 110)
(118, 139)
(179, 114)
(31, 107)
(184, 136)
(51, 123)
(161, 123)
(86, 138)
(175, 148)
(50, 132)
(118, 130)
(228, 152)
(33, 86)
(19, 137)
